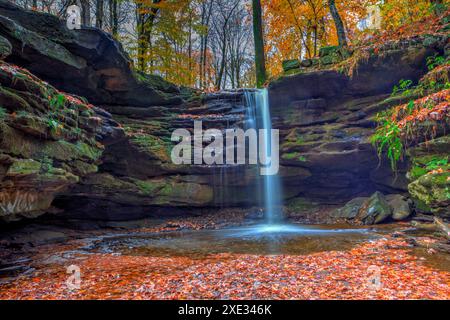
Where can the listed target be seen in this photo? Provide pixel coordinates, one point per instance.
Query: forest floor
(386, 267)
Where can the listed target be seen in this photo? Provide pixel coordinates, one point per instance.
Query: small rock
(400, 207)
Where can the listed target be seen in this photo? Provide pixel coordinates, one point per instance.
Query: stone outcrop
(48, 141)
(429, 186)
(326, 120)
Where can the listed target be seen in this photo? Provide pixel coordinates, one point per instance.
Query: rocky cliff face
(327, 118)
(119, 173)
(49, 141)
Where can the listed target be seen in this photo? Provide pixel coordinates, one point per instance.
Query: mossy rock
(156, 82)
(290, 65)
(434, 191)
(149, 187)
(350, 210)
(12, 101)
(174, 193)
(82, 168)
(42, 173)
(300, 204)
(326, 51)
(294, 156)
(66, 151)
(154, 146)
(24, 167)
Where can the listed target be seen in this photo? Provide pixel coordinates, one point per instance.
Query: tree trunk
(85, 13)
(342, 38)
(142, 48)
(99, 13)
(259, 44)
(114, 18)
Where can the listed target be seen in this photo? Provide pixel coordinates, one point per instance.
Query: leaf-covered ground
(324, 275)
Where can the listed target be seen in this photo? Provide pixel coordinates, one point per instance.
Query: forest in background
(209, 44)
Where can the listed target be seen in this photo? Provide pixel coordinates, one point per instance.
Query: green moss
(13, 102)
(300, 204)
(156, 82)
(155, 146)
(3, 113)
(290, 65)
(82, 168)
(24, 167)
(427, 163)
(416, 172)
(66, 151)
(294, 156)
(148, 187)
(433, 190)
(292, 72)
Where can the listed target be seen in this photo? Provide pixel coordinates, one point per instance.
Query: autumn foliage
(323, 275)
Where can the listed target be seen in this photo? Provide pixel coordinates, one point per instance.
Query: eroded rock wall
(325, 118)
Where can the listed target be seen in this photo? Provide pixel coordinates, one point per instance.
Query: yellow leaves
(401, 12)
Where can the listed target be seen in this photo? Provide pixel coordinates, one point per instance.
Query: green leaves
(387, 139)
(434, 61)
(57, 101)
(436, 164)
(403, 87)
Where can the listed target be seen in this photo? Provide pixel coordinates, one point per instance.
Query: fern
(387, 139)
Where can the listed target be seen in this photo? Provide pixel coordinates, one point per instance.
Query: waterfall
(258, 117)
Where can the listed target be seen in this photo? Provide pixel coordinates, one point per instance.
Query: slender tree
(99, 14)
(342, 38)
(114, 17)
(85, 13)
(259, 44)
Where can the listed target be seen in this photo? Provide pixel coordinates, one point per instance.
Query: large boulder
(374, 210)
(350, 210)
(429, 176)
(433, 190)
(87, 62)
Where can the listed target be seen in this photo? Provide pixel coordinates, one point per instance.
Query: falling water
(258, 117)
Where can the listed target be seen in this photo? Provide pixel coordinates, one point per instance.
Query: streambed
(247, 262)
